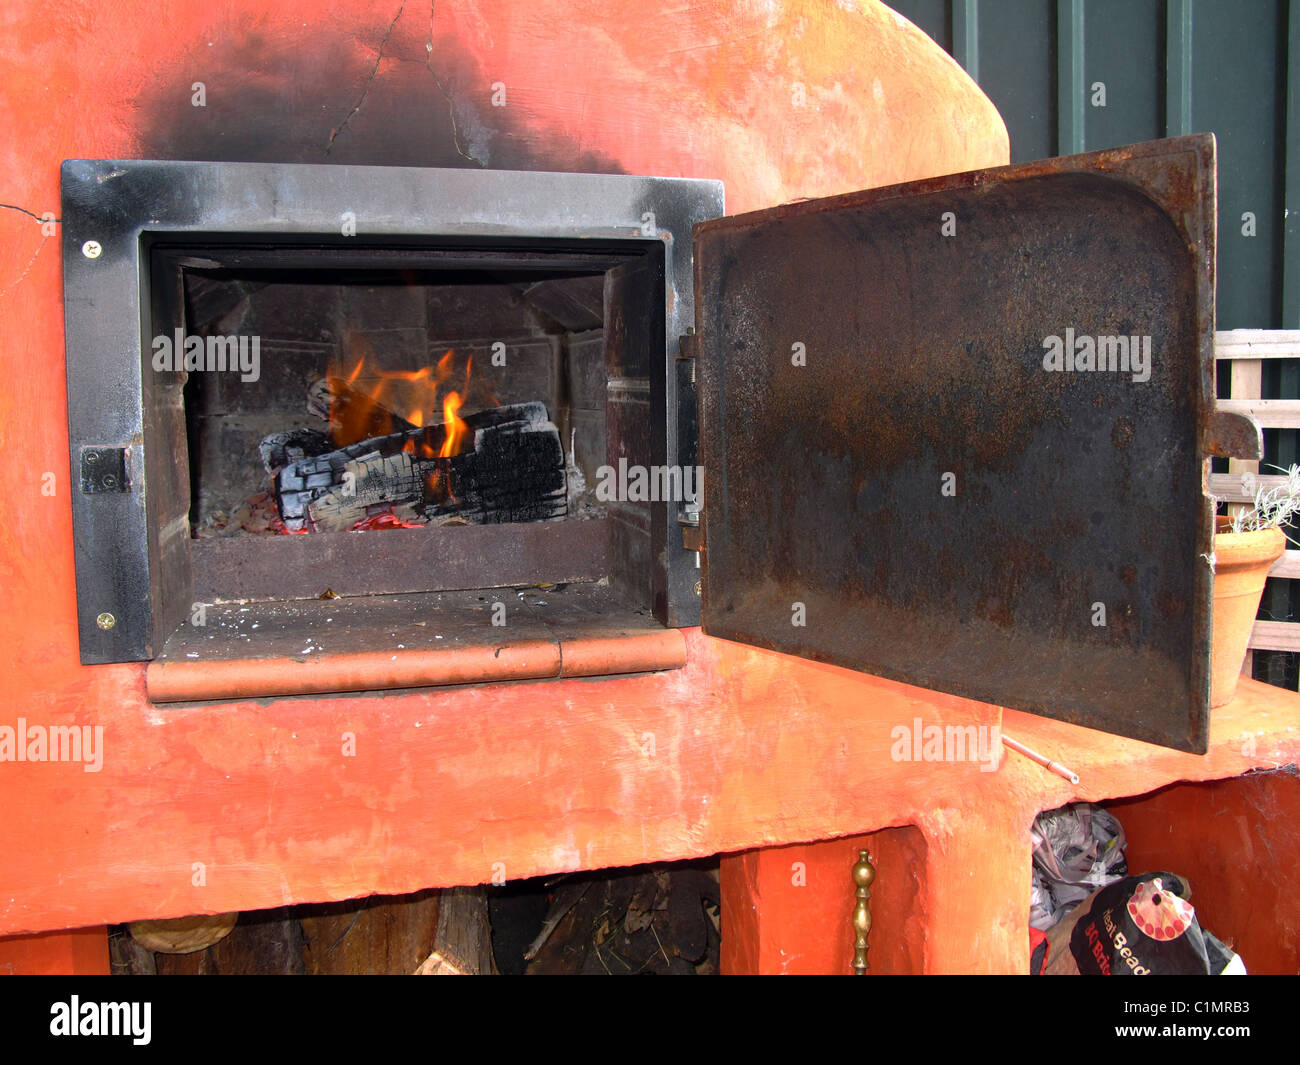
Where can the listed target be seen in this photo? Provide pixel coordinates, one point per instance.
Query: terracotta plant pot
(1241, 562)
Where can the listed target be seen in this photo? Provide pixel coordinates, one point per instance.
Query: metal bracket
(103, 469)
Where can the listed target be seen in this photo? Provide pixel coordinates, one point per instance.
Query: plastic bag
(1138, 926)
(1077, 849)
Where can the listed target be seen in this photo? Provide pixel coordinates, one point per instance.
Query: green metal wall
(1166, 67)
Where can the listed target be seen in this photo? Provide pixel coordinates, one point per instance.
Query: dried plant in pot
(1245, 548)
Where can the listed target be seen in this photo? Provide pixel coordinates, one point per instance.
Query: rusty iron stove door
(954, 434)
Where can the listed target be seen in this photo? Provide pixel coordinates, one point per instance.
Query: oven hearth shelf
(250, 649)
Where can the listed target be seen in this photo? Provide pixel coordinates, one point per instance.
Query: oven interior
(294, 393)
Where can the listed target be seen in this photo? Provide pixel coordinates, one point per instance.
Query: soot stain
(378, 97)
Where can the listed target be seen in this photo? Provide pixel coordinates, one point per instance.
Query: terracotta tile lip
(249, 678)
(645, 652)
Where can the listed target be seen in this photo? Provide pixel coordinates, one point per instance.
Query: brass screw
(106, 621)
(699, 587)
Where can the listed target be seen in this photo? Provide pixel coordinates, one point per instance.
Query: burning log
(504, 464)
(280, 449)
(354, 414)
(370, 481)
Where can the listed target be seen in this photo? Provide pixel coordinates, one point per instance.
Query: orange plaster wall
(253, 804)
(82, 952)
(806, 899)
(952, 889)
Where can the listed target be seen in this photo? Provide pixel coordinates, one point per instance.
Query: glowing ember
(385, 520)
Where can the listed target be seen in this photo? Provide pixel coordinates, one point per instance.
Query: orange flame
(457, 430)
(445, 365)
(370, 402)
(360, 406)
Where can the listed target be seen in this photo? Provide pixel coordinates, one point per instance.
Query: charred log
(511, 468)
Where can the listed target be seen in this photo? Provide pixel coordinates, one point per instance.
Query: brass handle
(864, 873)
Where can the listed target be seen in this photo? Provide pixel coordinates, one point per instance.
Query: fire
(361, 406)
(367, 402)
(456, 429)
(445, 367)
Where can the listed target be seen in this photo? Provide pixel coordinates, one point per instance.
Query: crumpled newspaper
(1077, 849)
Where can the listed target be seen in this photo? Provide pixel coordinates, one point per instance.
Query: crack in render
(30, 262)
(23, 210)
(457, 141)
(379, 58)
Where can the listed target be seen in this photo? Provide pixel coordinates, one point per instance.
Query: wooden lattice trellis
(1247, 349)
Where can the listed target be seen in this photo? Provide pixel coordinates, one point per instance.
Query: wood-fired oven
(337, 410)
